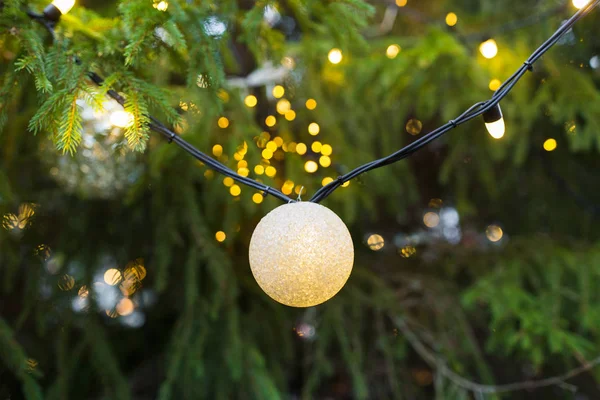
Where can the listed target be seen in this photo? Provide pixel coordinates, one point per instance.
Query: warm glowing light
(579, 4)
(326, 181)
(311, 167)
(162, 6)
(270, 121)
(121, 119)
(550, 145)
(496, 129)
(271, 171)
(326, 150)
(18, 222)
(401, 3)
(375, 242)
(278, 140)
(316, 147)
(392, 51)
(243, 171)
(290, 115)
(335, 56)
(431, 219)
(271, 146)
(250, 101)
(258, 198)
(325, 161)
(267, 154)
(407, 251)
(346, 184)
(283, 106)
(259, 170)
(125, 307)
(314, 129)
(64, 6)
(414, 126)
(301, 148)
(301, 254)
(220, 236)
(235, 190)
(495, 84)
(66, 283)
(278, 91)
(451, 19)
(489, 49)
(217, 150)
(83, 292)
(311, 104)
(223, 122)
(494, 233)
(112, 276)
(228, 182)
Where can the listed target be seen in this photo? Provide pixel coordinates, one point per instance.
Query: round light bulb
(301, 254)
(64, 6)
(489, 48)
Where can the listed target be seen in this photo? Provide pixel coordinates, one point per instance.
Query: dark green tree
(124, 262)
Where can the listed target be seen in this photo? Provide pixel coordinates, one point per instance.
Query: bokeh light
(414, 126)
(223, 122)
(489, 48)
(375, 242)
(431, 219)
(451, 19)
(495, 84)
(220, 236)
(550, 144)
(112, 276)
(494, 233)
(250, 101)
(278, 91)
(335, 56)
(392, 51)
(311, 167)
(311, 104)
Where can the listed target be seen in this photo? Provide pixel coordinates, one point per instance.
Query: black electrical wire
(472, 112)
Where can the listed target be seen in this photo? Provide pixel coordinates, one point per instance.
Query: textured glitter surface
(301, 254)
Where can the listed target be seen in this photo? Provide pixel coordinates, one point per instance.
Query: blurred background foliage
(123, 261)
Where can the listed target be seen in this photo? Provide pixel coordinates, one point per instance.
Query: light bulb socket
(52, 13)
(493, 114)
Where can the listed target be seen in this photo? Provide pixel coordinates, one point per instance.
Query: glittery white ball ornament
(301, 254)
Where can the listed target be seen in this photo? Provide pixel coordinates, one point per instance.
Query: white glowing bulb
(301, 254)
(121, 119)
(489, 48)
(579, 4)
(496, 129)
(64, 6)
(335, 56)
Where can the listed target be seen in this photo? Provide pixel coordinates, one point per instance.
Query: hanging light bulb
(54, 11)
(494, 122)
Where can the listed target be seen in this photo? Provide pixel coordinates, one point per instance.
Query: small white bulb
(64, 6)
(496, 129)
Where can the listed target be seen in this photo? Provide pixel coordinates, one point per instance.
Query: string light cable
(489, 109)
